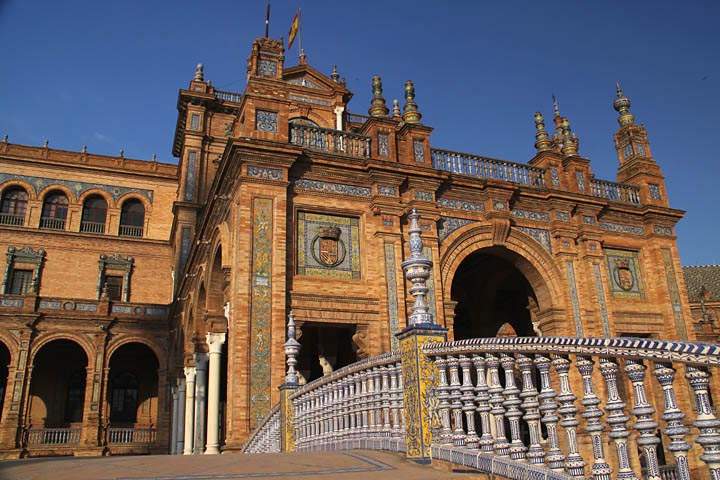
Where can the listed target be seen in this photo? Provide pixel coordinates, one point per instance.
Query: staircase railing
(266, 437)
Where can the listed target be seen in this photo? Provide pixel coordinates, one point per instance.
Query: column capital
(189, 374)
(215, 341)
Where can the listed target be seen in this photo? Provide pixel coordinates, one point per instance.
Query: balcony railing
(618, 192)
(92, 227)
(228, 96)
(53, 436)
(327, 140)
(482, 167)
(52, 223)
(131, 436)
(131, 231)
(11, 219)
(356, 118)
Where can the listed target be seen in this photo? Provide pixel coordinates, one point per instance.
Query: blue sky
(106, 74)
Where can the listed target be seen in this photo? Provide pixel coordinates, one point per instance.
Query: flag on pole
(267, 19)
(294, 27)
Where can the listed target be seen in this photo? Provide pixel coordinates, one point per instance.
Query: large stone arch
(45, 338)
(526, 254)
(159, 352)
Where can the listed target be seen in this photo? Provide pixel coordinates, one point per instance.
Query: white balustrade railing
(131, 435)
(328, 140)
(537, 390)
(266, 437)
(36, 437)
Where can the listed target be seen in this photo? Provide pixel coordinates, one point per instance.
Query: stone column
(189, 410)
(215, 341)
(201, 365)
(175, 422)
(180, 437)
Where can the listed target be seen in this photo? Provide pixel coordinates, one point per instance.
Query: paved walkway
(351, 465)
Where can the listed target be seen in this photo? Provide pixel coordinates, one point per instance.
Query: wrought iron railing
(228, 96)
(328, 140)
(11, 219)
(92, 227)
(483, 167)
(130, 231)
(618, 192)
(131, 435)
(52, 223)
(52, 436)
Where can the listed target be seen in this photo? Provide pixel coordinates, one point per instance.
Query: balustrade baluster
(600, 469)
(495, 389)
(377, 400)
(675, 428)
(530, 405)
(366, 392)
(616, 418)
(574, 463)
(458, 435)
(385, 399)
(483, 406)
(511, 404)
(644, 422)
(443, 396)
(468, 399)
(548, 407)
(358, 405)
(395, 400)
(705, 421)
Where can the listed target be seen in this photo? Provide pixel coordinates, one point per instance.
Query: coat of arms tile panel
(624, 272)
(328, 246)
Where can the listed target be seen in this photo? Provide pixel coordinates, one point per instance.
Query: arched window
(123, 398)
(94, 214)
(132, 218)
(54, 211)
(13, 206)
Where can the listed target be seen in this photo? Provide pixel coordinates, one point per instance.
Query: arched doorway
(132, 397)
(57, 394)
(4, 371)
(494, 298)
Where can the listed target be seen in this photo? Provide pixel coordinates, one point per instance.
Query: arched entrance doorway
(57, 394)
(494, 298)
(132, 398)
(4, 371)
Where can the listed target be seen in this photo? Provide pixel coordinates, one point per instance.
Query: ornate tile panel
(185, 244)
(450, 224)
(430, 282)
(328, 246)
(663, 230)
(191, 176)
(674, 293)
(461, 205)
(266, 173)
(554, 176)
(580, 179)
(562, 216)
(424, 196)
(602, 303)
(622, 228)
(541, 235)
(387, 191)
(327, 187)
(588, 219)
(624, 272)
(304, 81)
(391, 279)
(383, 148)
(530, 215)
(39, 183)
(267, 68)
(260, 309)
(654, 191)
(574, 298)
(310, 100)
(265, 121)
(419, 150)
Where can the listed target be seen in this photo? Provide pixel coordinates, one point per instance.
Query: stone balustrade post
(530, 405)
(458, 434)
(483, 406)
(645, 423)
(495, 389)
(511, 404)
(468, 399)
(549, 407)
(675, 427)
(705, 420)
(592, 415)
(574, 463)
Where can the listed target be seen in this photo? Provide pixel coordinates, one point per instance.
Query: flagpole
(267, 18)
(300, 31)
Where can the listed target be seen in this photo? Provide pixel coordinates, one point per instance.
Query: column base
(212, 450)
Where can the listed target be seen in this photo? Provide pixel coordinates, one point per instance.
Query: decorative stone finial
(570, 140)
(84, 149)
(122, 153)
(302, 58)
(622, 106)
(556, 107)
(5, 138)
(47, 143)
(292, 348)
(417, 270)
(542, 141)
(154, 158)
(335, 76)
(396, 113)
(377, 105)
(199, 73)
(410, 111)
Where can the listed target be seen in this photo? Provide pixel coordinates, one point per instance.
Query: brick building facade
(144, 304)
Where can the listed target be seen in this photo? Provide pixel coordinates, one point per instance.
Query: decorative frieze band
(450, 224)
(622, 228)
(39, 184)
(663, 230)
(264, 173)
(424, 196)
(461, 205)
(530, 215)
(328, 187)
(387, 191)
(541, 235)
